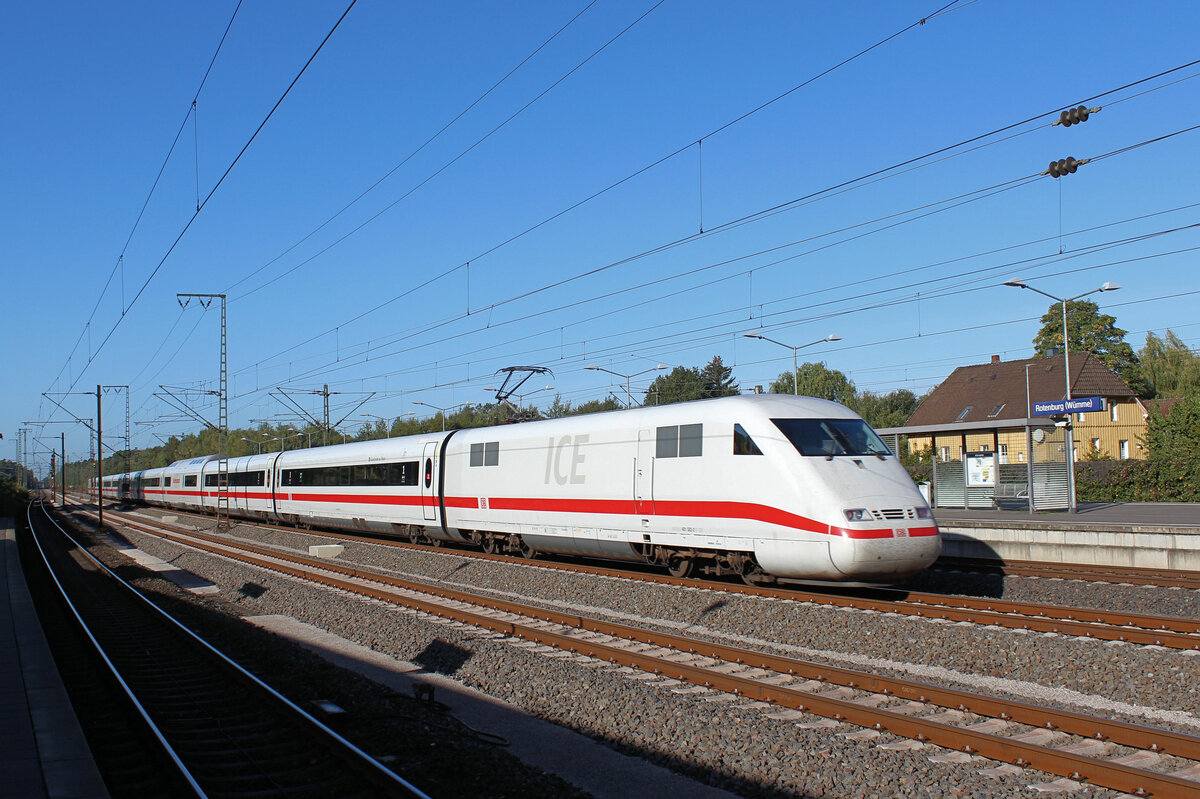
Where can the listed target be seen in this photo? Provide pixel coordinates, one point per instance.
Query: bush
(13, 498)
(919, 464)
(1160, 480)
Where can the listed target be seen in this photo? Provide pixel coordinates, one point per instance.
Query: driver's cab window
(743, 444)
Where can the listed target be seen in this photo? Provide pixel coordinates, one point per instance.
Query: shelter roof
(996, 391)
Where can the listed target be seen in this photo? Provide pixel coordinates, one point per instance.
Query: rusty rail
(1140, 782)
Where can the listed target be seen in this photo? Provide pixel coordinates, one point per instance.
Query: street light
(443, 410)
(386, 419)
(795, 368)
(628, 396)
(1108, 286)
(252, 441)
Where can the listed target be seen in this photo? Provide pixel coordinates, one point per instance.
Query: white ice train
(760, 486)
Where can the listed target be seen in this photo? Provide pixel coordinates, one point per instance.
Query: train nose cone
(885, 539)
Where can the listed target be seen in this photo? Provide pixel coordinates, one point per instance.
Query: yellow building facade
(987, 408)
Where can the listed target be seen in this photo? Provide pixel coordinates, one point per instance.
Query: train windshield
(832, 437)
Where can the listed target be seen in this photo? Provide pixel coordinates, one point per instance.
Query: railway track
(1132, 575)
(1105, 625)
(214, 729)
(1136, 759)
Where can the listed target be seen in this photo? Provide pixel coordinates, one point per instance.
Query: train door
(643, 474)
(429, 494)
(273, 477)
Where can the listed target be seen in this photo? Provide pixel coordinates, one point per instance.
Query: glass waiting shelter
(1002, 463)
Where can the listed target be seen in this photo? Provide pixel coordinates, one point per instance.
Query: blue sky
(482, 249)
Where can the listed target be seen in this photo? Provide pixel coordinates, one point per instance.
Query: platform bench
(1010, 492)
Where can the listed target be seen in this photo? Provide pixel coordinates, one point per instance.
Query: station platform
(1154, 535)
(45, 752)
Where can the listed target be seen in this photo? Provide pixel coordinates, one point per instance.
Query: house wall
(1129, 427)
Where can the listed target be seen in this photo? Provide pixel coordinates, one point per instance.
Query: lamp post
(443, 410)
(390, 421)
(1108, 286)
(795, 367)
(252, 441)
(628, 396)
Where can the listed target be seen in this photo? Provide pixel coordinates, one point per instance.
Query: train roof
(200, 461)
(734, 408)
(385, 449)
(380, 449)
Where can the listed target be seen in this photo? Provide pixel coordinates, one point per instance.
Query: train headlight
(857, 514)
(924, 513)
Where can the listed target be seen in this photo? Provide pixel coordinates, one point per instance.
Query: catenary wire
(153, 187)
(217, 185)
(418, 150)
(459, 317)
(737, 222)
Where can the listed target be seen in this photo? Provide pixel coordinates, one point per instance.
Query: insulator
(1075, 116)
(1063, 166)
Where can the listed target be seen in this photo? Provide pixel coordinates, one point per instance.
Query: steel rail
(1117, 618)
(1146, 630)
(1135, 575)
(156, 733)
(1130, 779)
(351, 755)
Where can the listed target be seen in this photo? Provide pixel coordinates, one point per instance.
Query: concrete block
(326, 550)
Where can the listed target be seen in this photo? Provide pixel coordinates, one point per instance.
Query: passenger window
(743, 444)
(682, 441)
(487, 454)
(667, 442)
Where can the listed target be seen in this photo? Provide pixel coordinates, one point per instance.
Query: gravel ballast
(728, 743)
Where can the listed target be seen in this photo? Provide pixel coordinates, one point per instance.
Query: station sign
(1073, 405)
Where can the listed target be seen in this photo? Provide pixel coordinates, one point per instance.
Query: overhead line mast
(206, 300)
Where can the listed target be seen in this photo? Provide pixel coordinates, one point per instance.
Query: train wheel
(413, 536)
(680, 567)
(527, 552)
(753, 574)
(490, 544)
(754, 577)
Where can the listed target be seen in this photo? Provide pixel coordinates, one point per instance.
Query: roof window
(996, 411)
(964, 413)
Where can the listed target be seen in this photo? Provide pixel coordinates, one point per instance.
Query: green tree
(1175, 437)
(681, 384)
(886, 410)
(1168, 367)
(1088, 331)
(560, 407)
(718, 379)
(817, 380)
(609, 403)
(13, 497)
